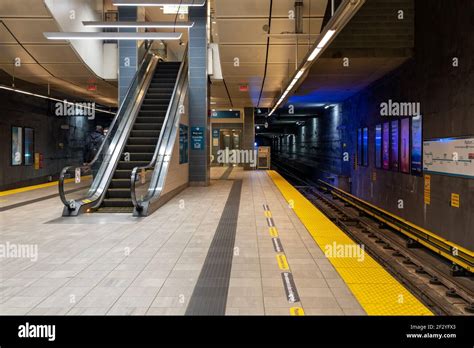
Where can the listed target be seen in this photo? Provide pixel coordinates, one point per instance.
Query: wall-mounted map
(451, 156)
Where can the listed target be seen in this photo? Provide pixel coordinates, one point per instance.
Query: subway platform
(248, 244)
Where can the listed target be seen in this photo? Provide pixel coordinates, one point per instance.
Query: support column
(248, 141)
(199, 159)
(127, 51)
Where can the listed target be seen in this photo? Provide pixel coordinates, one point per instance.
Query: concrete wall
(60, 147)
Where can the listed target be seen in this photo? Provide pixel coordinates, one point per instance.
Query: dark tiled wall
(127, 50)
(24, 111)
(447, 105)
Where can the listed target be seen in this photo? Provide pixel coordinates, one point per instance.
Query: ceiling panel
(23, 8)
(31, 30)
(8, 53)
(5, 36)
(241, 34)
(25, 70)
(53, 53)
(261, 8)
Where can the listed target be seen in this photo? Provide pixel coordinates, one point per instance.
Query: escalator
(130, 168)
(143, 138)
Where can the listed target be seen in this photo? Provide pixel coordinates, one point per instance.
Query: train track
(424, 273)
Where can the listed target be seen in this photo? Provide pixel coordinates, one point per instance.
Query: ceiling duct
(299, 16)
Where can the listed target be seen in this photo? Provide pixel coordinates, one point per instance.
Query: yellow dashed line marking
(282, 262)
(273, 231)
(376, 290)
(296, 311)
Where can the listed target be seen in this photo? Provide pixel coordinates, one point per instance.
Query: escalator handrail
(147, 57)
(181, 77)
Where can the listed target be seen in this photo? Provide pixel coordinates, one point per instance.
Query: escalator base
(115, 210)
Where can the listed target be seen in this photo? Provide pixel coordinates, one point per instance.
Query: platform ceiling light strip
(344, 13)
(51, 98)
(138, 24)
(159, 2)
(112, 36)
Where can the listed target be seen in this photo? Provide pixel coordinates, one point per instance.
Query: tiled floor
(117, 264)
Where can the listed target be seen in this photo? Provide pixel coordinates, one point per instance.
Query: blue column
(127, 51)
(199, 161)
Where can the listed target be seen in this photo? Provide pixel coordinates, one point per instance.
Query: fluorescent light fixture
(158, 3)
(51, 98)
(112, 36)
(314, 54)
(299, 74)
(327, 106)
(174, 9)
(329, 34)
(119, 24)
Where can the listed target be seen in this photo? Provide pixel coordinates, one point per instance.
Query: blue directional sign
(197, 138)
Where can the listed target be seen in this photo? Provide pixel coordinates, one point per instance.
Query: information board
(450, 156)
(225, 114)
(197, 138)
(405, 145)
(386, 146)
(394, 136)
(416, 145)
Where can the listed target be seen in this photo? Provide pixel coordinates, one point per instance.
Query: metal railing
(159, 164)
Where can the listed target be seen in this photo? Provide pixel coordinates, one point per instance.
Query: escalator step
(162, 85)
(146, 126)
(122, 174)
(140, 148)
(118, 193)
(117, 202)
(122, 165)
(156, 101)
(141, 156)
(148, 119)
(155, 106)
(145, 133)
(142, 141)
(110, 210)
(120, 183)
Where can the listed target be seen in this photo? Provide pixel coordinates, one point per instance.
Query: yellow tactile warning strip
(287, 278)
(376, 290)
(36, 187)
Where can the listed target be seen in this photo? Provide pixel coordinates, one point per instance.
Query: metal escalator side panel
(164, 149)
(111, 148)
(116, 152)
